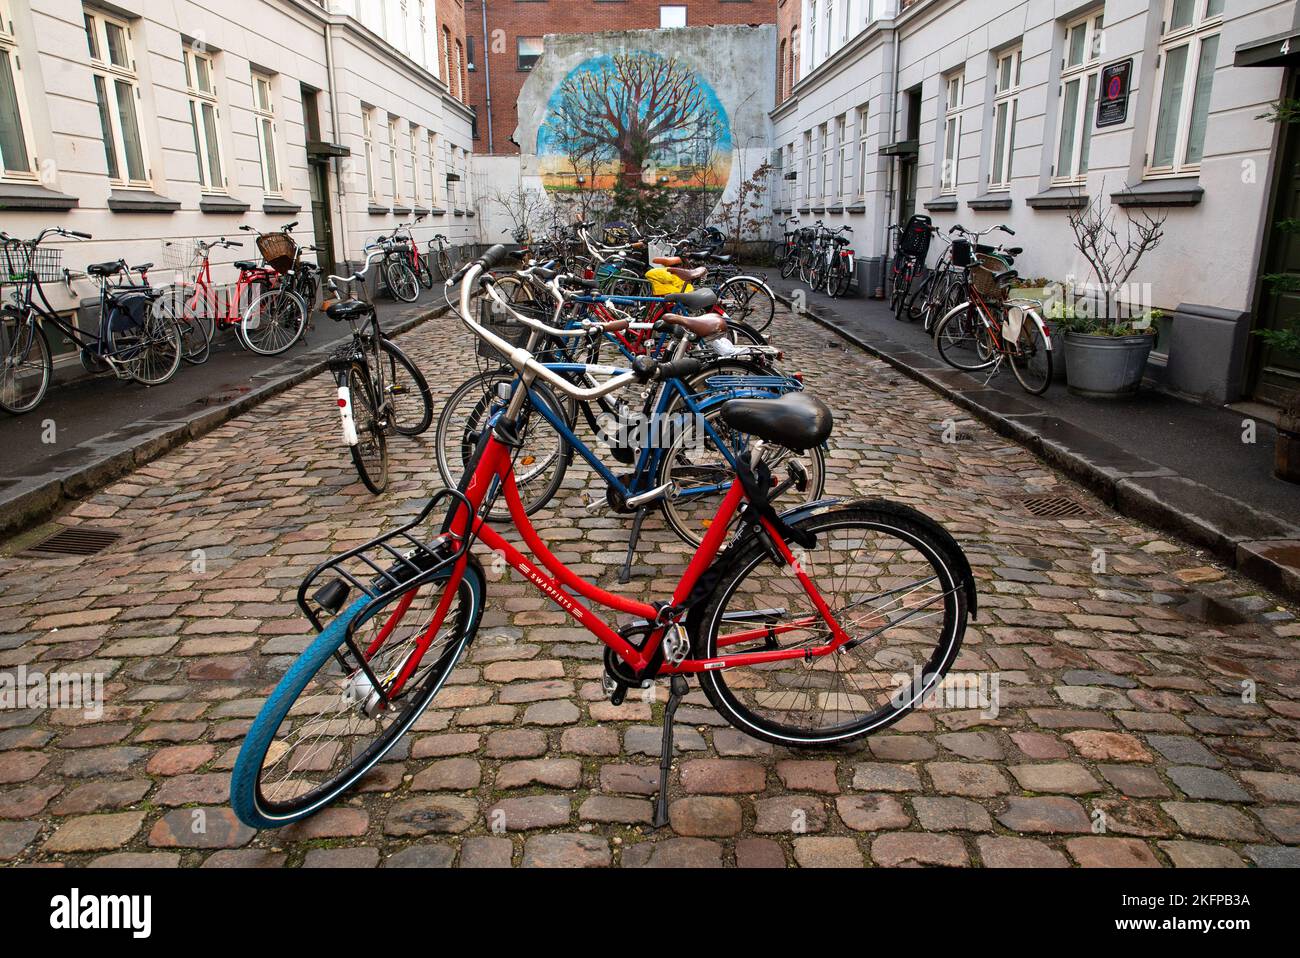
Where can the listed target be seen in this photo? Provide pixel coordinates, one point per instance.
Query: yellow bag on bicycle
(663, 283)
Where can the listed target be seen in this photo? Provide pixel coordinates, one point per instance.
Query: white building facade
(142, 123)
(984, 112)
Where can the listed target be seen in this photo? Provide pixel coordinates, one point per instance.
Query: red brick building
(506, 46)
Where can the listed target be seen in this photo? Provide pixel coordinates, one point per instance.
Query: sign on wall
(1116, 81)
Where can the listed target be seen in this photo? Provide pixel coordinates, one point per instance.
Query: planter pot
(1106, 367)
(1286, 454)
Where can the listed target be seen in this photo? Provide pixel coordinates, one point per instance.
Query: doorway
(1276, 375)
(318, 181)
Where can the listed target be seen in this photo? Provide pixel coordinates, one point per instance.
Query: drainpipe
(487, 75)
(893, 161)
(334, 123)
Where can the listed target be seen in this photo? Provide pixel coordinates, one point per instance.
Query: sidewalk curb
(33, 501)
(1253, 543)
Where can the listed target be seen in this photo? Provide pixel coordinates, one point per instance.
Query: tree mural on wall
(622, 116)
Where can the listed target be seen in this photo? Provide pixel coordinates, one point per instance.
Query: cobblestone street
(1147, 713)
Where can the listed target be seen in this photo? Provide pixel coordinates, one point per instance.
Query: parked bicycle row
(966, 302)
(797, 614)
(146, 330)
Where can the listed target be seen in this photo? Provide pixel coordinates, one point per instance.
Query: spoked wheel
(541, 458)
(701, 474)
(273, 321)
(410, 403)
(25, 364)
(742, 334)
(893, 581)
(151, 352)
(444, 263)
(1030, 358)
(401, 281)
(791, 263)
(748, 301)
(898, 284)
(963, 340)
(325, 725)
(370, 453)
(424, 272)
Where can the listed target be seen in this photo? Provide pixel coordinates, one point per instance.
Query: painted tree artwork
(634, 118)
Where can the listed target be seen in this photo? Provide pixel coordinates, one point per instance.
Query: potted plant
(1286, 455)
(1106, 354)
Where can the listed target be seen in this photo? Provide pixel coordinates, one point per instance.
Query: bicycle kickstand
(677, 690)
(625, 573)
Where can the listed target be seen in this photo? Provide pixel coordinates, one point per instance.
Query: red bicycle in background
(266, 313)
(806, 628)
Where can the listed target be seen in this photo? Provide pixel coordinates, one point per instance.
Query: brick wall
(787, 19)
(451, 47)
(507, 20)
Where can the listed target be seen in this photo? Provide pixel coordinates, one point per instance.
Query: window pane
(116, 45)
(1214, 8)
(106, 128)
(92, 41)
(1089, 117)
(1201, 102)
(1000, 141)
(13, 145)
(198, 148)
(202, 75)
(210, 141)
(1078, 44)
(1184, 11)
(1069, 121)
(268, 156)
(1171, 99)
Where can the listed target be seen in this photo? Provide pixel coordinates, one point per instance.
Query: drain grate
(74, 541)
(1054, 507)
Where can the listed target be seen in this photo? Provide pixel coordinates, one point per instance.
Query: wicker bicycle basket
(278, 250)
(982, 277)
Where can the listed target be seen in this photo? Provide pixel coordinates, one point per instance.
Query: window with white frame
(841, 153)
(788, 185)
(17, 151)
(1006, 103)
(954, 90)
(807, 168)
(412, 134)
(1080, 86)
(824, 143)
(1189, 49)
(394, 169)
(117, 94)
(432, 156)
(812, 33)
(828, 26)
(862, 152)
(264, 118)
(368, 139)
(422, 28)
(205, 119)
(795, 56)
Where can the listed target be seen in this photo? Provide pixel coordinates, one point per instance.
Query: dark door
(906, 188)
(319, 175)
(1277, 374)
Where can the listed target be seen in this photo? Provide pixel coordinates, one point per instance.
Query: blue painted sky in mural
(546, 144)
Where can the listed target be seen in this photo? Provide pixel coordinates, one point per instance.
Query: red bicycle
(265, 312)
(807, 628)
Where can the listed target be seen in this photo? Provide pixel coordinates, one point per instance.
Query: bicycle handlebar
(518, 356)
(372, 253)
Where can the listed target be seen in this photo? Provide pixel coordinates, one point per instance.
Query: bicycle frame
(206, 294)
(493, 469)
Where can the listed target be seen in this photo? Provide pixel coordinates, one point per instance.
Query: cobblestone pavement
(1131, 729)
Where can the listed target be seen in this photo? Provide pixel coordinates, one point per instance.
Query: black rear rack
(388, 565)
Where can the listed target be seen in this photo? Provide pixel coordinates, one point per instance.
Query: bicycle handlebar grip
(494, 257)
(1008, 230)
(79, 234)
(678, 368)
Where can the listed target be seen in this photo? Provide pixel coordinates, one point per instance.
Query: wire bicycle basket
(20, 259)
(183, 257)
(501, 324)
(279, 250)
